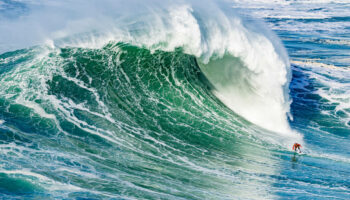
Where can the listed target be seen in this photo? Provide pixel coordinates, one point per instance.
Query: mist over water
(172, 100)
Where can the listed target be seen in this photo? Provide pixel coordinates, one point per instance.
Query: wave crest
(243, 60)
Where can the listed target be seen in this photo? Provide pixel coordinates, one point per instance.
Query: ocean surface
(174, 99)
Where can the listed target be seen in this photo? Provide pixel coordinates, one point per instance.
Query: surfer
(296, 147)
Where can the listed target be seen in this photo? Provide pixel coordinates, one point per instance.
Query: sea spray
(255, 65)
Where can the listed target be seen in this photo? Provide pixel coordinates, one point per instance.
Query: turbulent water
(174, 99)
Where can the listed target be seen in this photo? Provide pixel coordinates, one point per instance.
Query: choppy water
(174, 100)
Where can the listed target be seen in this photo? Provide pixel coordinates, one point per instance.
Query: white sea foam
(336, 86)
(330, 156)
(320, 65)
(337, 42)
(313, 27)
(213, 34)
(290, 13)
(42, 180)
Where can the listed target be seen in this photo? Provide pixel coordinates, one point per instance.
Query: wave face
(255, 65)
(164, 100)
(119, 121)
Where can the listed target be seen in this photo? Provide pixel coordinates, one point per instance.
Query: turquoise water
(174, 100)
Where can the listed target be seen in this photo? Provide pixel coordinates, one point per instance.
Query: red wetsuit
(296, 147)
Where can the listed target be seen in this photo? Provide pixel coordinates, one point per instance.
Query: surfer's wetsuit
(296, 147)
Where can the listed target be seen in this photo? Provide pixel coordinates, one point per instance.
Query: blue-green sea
(174, 99)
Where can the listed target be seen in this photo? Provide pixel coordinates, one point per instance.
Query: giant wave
(142, 100)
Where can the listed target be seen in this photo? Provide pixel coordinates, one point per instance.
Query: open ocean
(167, 99)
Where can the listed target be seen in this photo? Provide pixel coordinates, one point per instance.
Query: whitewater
(174, 99)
